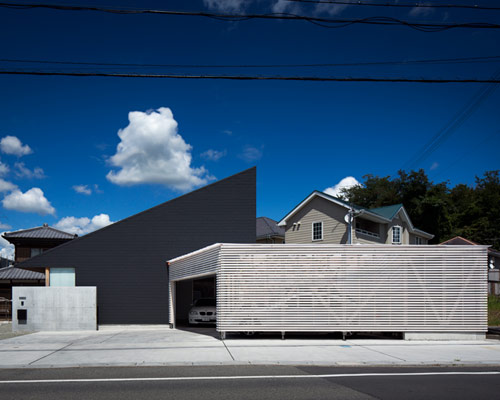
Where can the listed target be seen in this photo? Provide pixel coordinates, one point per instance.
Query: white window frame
(418, 240)
(400, 234)
(312, 231)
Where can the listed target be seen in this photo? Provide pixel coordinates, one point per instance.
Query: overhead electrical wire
(253, 78)
(331, 23)
(399, 5)
(455, 123)
(463, 60)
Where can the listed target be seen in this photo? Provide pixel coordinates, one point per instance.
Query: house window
(34, 252)
(418, 240)
(396, 235)
(317, 231)
(62, 277)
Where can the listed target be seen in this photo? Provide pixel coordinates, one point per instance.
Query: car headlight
(193, 312)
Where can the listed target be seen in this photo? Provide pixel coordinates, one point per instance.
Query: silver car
(203, 311)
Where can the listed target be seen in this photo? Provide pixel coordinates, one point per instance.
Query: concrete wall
(54, 308)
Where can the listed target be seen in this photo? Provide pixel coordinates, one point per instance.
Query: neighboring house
(31, 242)
(12, 276)
(493, 262)
(321, 218)
(268, 231)
(125, 261)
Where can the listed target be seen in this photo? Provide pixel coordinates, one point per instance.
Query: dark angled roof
(41, 232)
(459, 240)
(12, 273)
(388, 211)
(267, 227)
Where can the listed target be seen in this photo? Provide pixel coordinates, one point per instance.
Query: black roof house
(126, 260)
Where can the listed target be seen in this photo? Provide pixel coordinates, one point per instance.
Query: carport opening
(186, 293)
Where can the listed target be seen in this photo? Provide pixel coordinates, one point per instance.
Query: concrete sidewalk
(153, 346)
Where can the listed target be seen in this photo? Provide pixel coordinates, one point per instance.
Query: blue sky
(64, 163)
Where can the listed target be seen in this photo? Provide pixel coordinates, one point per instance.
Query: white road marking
(209, 378)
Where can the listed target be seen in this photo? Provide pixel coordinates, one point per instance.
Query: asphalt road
(250, 382)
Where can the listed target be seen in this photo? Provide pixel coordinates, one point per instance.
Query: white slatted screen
(344, 287)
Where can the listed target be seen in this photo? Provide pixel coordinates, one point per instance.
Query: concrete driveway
(159, 345)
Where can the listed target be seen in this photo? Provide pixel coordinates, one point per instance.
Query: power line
(400, 5)
(469, 152)
(455, 123)
(484, 59)
(252, 78)
(332, 23)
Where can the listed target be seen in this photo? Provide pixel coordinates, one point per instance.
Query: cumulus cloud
(12, 145)
(213, 155)
(84, 225)
(227, 6)
(83, 189)
(23, 172)
(4, 169)
(151, 151)
(6, 186)
(251, 154)
(33, 201)
(6, 248)
(346, 183)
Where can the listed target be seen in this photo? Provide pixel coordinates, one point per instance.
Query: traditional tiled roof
(13, 273)
(41, 232)
(267, 227)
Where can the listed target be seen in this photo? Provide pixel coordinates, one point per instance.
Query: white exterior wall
(350, 288)
(55, 308)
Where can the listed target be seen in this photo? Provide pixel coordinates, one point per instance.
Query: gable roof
(460, 241)
(380, 214)
(267, 227)
(40, 232)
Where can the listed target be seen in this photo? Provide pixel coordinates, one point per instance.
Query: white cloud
(7, 249)
(84, 225)
(33, 201)
(434, 166)
(251, 154)
(330, 9)
(347, 182)
(420, 11)
(12, 145)
(151, 151)
(285, 6)
(6, 186)
(227, 6)
(4, 169)
(83, 189)
(23, 172)
(213, 155)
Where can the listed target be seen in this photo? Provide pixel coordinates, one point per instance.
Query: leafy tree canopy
(470, 212)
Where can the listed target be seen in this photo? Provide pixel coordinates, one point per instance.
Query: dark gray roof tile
(41, 232)
(20, 274)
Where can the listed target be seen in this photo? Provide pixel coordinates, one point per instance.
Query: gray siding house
(321, 218)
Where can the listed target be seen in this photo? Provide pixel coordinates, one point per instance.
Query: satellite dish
(348, 218)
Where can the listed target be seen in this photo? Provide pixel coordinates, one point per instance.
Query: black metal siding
(126, 260)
